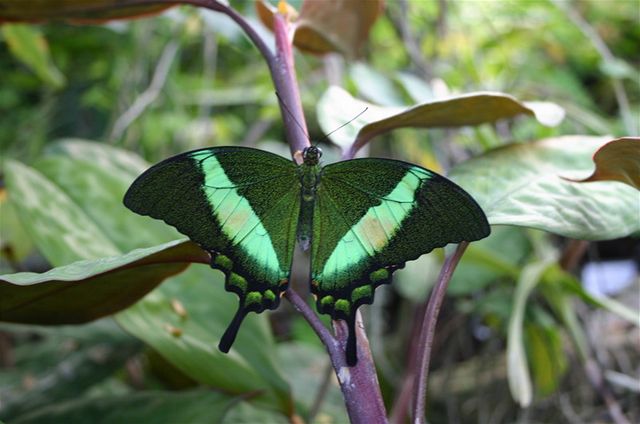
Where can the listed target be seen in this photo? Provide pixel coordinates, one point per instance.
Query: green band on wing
(236, 217)
(376, 228)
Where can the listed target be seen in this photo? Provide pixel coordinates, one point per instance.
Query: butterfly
(361, 219)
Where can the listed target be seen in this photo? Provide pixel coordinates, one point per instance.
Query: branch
(150, 94)
(316, 325)
(428, 331)
(359, 384)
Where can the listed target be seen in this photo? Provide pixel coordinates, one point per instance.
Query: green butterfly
(362, 219)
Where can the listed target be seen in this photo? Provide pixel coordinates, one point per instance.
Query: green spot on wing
(361, 293)
(343, 306)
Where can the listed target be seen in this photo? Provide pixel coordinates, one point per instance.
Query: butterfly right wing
(239, 204)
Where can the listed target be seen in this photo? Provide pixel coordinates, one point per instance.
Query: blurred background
(189, 78)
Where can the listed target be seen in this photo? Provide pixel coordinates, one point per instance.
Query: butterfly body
(360, 219)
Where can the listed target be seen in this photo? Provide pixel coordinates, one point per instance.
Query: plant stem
(284, 79)
(428, 331)
(359, 384)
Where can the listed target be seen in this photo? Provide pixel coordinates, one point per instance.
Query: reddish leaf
(78, 11)
(87, 290)
(618, 160)
(329, 25)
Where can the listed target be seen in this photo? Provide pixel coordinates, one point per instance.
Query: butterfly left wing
(370, 217)
(239, 204)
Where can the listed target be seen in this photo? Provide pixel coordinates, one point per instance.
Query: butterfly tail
(232, 330)
(352, 348)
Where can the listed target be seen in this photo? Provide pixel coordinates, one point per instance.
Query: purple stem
(428, 331)
(359, 383)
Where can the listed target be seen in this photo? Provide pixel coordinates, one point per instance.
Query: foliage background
(201, 83)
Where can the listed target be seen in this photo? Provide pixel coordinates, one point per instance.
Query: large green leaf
(338, 106)
(95, 191)
(197, 406)
(308, 368)
(102, 155)
(190, 341)
(499, 255)
(61, 230)
(87, 290)
(61, 363)
(188, 336)
(523, 185)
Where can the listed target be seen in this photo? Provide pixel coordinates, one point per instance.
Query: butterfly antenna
(343, 125)
(284, 105)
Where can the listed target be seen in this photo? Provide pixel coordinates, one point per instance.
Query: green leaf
(86, 290)
(307, 369)
(61, 363)
(337, 106)
(29, 46)
(251, 364)
(98, 191)
(189, 339)
(15, 242)
(547, 357)
(374, 85)
(525, 185)
(197, 406)
(499, 255)
(103, 156)
(517, 369)
(59, 228)
(246, 413)
(556, 275)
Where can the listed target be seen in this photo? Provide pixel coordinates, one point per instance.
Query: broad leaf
(374, 86)
(103, 156)
(523, 185)
(15, 243)
(328, 26)
(337, 106)
(60, 229)
(87, 290)
(499, 255)
(307, 368)
(188, 337)
(618, 160)
(517, 368)
(95, 190)
(78, 11)
(251, 364)
(197, 406)
(61, 363)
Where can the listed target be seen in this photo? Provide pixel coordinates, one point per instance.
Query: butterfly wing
(373, 215)
(239, 204)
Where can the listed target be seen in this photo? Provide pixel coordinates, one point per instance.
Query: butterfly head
(311, 155)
